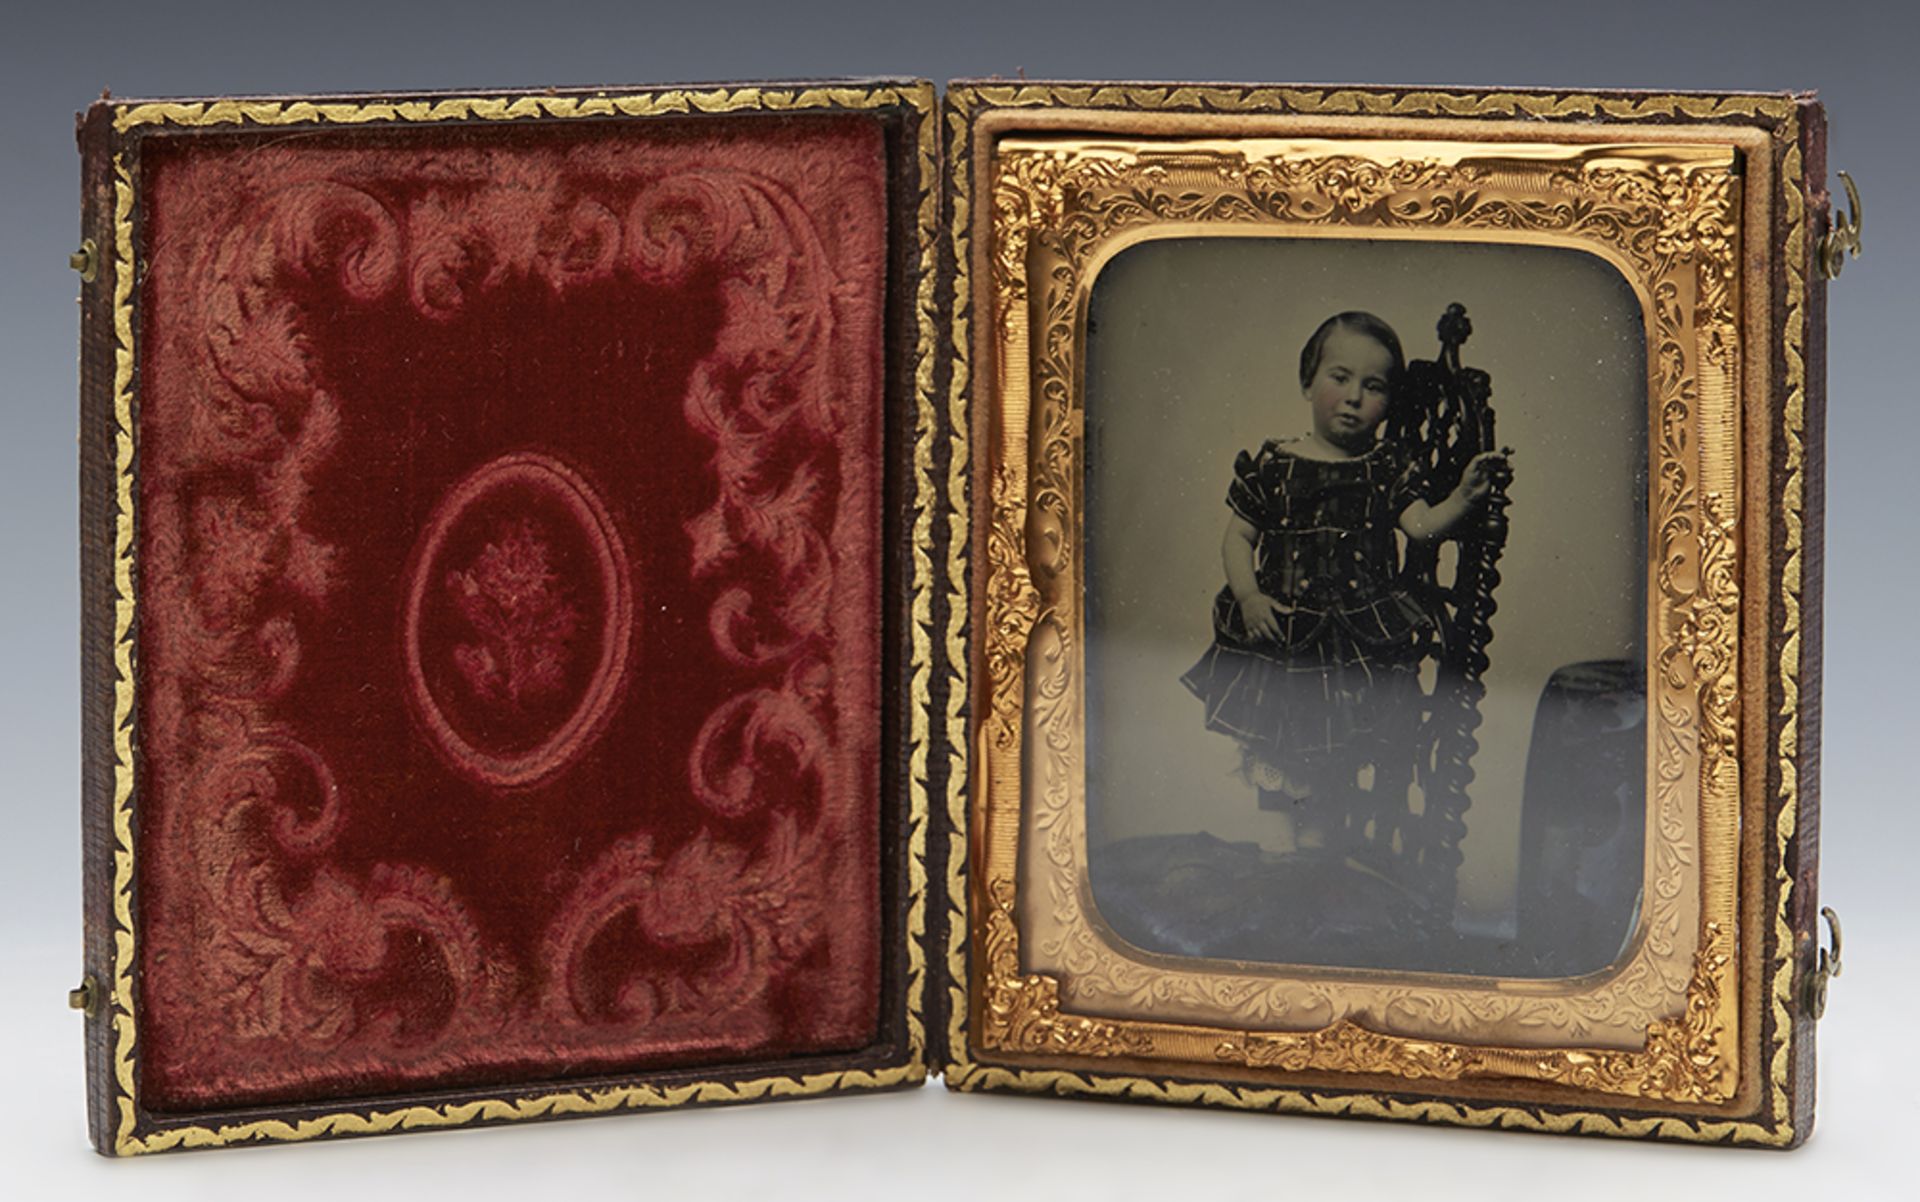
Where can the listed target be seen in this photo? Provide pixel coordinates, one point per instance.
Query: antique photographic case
(1298, 599)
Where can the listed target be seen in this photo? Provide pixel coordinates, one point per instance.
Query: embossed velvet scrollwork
(315, 926)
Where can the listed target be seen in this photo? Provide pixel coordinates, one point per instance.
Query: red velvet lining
(508, 603)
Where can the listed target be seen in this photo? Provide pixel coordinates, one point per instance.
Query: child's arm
(1259, 612)
(1424, 522)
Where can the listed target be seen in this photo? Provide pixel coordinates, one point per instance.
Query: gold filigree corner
(1682, 1060)
(1022, 1011)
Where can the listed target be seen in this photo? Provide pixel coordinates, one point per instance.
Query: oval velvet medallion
(519, 620)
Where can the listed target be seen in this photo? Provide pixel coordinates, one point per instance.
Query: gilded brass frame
(134, 1131)
(1058, 206)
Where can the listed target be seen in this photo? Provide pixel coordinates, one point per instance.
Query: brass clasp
(1826, 967)
(1843, 238)
(86, 261)
(85, 999)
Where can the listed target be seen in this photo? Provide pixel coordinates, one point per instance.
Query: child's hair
(1359, 323)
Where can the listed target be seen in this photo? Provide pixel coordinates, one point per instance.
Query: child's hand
(1260, 614)
(1483, 472)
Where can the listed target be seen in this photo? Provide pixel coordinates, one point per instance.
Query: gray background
(1197, 357)
(56, 57)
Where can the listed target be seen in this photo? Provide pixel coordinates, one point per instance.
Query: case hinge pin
(86, 261)
(1825, 968)
(1843, 239)
(86, 998)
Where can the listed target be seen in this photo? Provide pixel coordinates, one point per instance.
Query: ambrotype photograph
(1367, 611)
(1366, 547)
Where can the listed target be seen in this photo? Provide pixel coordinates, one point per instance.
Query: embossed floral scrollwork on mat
(509, 511)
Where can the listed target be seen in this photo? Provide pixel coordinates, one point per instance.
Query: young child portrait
(1253, 646)
(1316, 636)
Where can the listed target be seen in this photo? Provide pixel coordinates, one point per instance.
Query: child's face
(1348, 392)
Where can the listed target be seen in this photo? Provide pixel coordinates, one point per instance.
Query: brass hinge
(1843, 235)
(86, 261)
(1825, 967)
(87, 997)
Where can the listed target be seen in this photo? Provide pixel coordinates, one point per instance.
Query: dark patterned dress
(1344, 670)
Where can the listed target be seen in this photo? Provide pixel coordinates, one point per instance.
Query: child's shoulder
(1301, 450)
(1278, 448)
(1262, 462)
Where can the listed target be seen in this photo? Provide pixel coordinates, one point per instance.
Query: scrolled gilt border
(1779, 118)
(664, 102)
(1792, 510)
(1364, 102)
(1665, 216)
(128, 1136)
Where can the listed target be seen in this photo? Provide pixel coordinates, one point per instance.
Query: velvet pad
(509, 603)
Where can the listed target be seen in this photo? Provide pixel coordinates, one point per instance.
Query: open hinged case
(582, 614)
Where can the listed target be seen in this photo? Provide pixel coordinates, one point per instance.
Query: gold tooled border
(128, 1137)
(963, 104)
(1793, 428)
